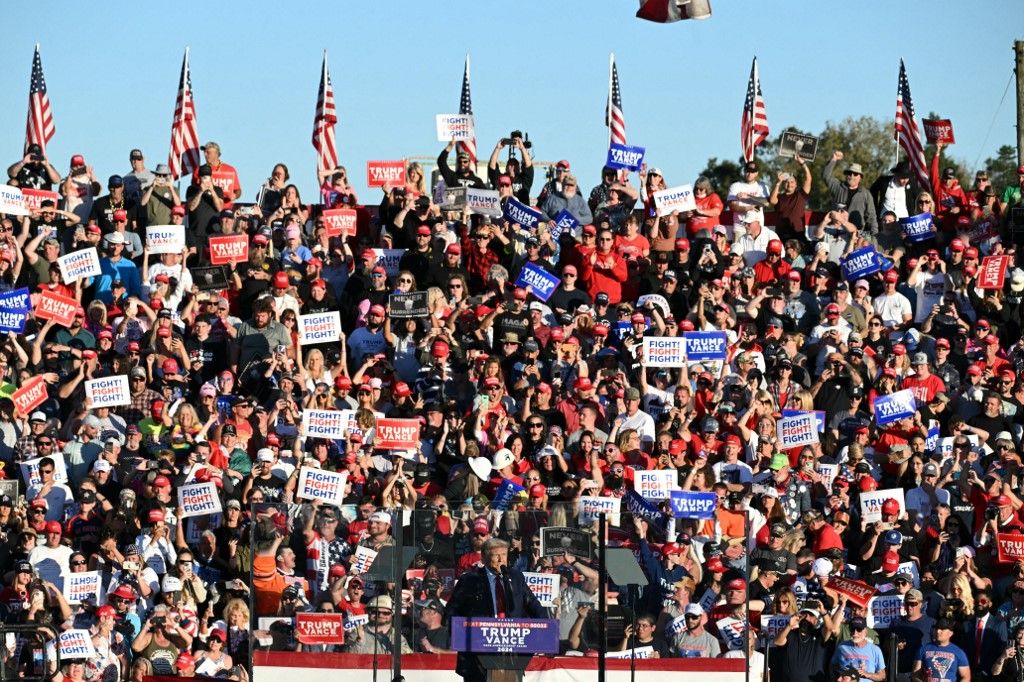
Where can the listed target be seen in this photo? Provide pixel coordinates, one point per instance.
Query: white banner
(871, 503)
(664, 351)
(320, 484)
(362, 560)
(76, 644)
(165, 238)
(483, 201)
(79, 264)
(320, 327)
(198, 499)
(674, 199)
(545, 586)
(108, 391)
(30, 471)
(456, 127)
(882, 611)
(655, 485)
(79, 586)
(797, 431)
(12, 201)
(589, 508)
(325, 424)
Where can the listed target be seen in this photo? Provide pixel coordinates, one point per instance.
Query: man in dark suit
(493, 590)
(984, 636)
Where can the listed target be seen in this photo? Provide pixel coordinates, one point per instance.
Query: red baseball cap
(891, 276)
(54, 527)
(281, 280)
(890, 506)
(120, 215)
(957, 245)
(180, 210)
(736, 584)
(401, 390)
(454, 249)
(682, 244)
(423, 230)
(378, 309)
(439, 349)
(583, 384)
(891, 562)
(161, 482)
(775, 246)
(538, 490)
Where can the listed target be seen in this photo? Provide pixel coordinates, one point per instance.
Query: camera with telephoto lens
(991, 512)
(506, 141)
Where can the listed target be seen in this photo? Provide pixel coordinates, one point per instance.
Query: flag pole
(321, 91)
(608, 105)
(177, 129)
(750, 135)
(900, 96)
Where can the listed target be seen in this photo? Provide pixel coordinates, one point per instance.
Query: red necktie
(499, 596)
(977, 644)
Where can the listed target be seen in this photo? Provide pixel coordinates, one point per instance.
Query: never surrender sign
(380, 173)
(894, 407)
(681, 199)
(690, 504)
(517, 212)
(664, 351)
(411, 305)
(320, 484)
(704, 346)
(625, 157)
(230, 248)
(165, 238)
(319, 327)
(396, 434)
(198, 499)
(324, 424)
(108, 391)
(540, 282)
(797, 431)
(918, 228)
(505, 635)
(78, 264)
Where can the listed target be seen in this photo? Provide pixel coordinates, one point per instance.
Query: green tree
(1002, 170)
(722, 174)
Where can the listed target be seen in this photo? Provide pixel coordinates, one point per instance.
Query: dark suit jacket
(993, 643)
(472, 598)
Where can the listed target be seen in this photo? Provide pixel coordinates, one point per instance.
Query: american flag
(754, 124)
(466, 107)
(667, 11)
(39, 128)
(184, 157)
(323, 123)
(613, 116)
(906, 129)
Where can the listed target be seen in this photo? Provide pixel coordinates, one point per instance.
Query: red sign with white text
(938, 130)
(34, 198)
(228, 248)
(31, 395)
(380, 172)
(340, 222)
(397, 434)
(51, 306)
(993, 271)
(320, 628)
(1011, 547)
(858, 592)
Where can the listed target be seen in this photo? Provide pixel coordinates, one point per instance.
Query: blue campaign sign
(861, 263)
(622, 329)
(918, 228)
(895, 406)
(485, 635)
(13, 320)
(516, 212)
(504, 494)
(690, 504)
(564, 221)
(541, 282)
(625, 157)
(932, 442)
(702, 346)
(638, 506)
(819, 417)
(16, 300)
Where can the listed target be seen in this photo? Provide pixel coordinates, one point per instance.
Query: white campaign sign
(797, 431)
(455, 127)
(12, 201)
(544, 586)
(198, 499)
(882, 611)
(78, 264)
(655, 485)
(325, 424)
(674, 199)
(320, 327)
(79, 586)
(108, 391)
(363, 560)
(320, 484)
(483, 202)
(589, 509)
(165, 238)
(30, 471)
(76, 644)
(664, 351)
(871, 503)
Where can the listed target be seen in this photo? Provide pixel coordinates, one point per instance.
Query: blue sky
(112, 73)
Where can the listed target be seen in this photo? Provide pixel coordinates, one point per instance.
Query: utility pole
(1018, 48)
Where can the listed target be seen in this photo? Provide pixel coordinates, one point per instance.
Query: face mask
(806, 628)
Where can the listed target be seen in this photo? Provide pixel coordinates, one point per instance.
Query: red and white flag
(754, 122)
(613, 116)
(907, 133)
(324, 122)
(184, 156)
(39, 128)
(466, 107)
(667, 11)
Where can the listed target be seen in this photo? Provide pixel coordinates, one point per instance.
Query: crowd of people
(552, 397)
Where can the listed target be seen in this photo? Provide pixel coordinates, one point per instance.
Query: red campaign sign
(227, 248)
(380, 172)
(858, 592)
(397, 434)
(320, 628)
(1011, 547)
(938, 130)
(34, 198)
(993, 271)
(340, 222)
(31, 395)
(226, 181)
(52, 306)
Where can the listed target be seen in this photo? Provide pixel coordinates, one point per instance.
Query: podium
(505, 667)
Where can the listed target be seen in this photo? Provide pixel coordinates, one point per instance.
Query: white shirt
(643, 423)
(930, 288)
(754, 249)
(892, 308)
(895, 200)
(756, 188)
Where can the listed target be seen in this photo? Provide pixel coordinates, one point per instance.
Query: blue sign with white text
(516, 212)
(819, 417)
(638, 506)
(625, 157)
(541, 282)
(918, 228)
(861, 263)
(488, 635)
(13, 320)
(703, 346)
(894, 407)
(504, 494)
(564, 221)
(690, 504)
(17, 299)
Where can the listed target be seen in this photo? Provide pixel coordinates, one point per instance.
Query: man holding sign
(463, 175)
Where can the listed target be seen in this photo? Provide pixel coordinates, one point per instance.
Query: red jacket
(764, 273)
(946, 198)
(606, 274)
